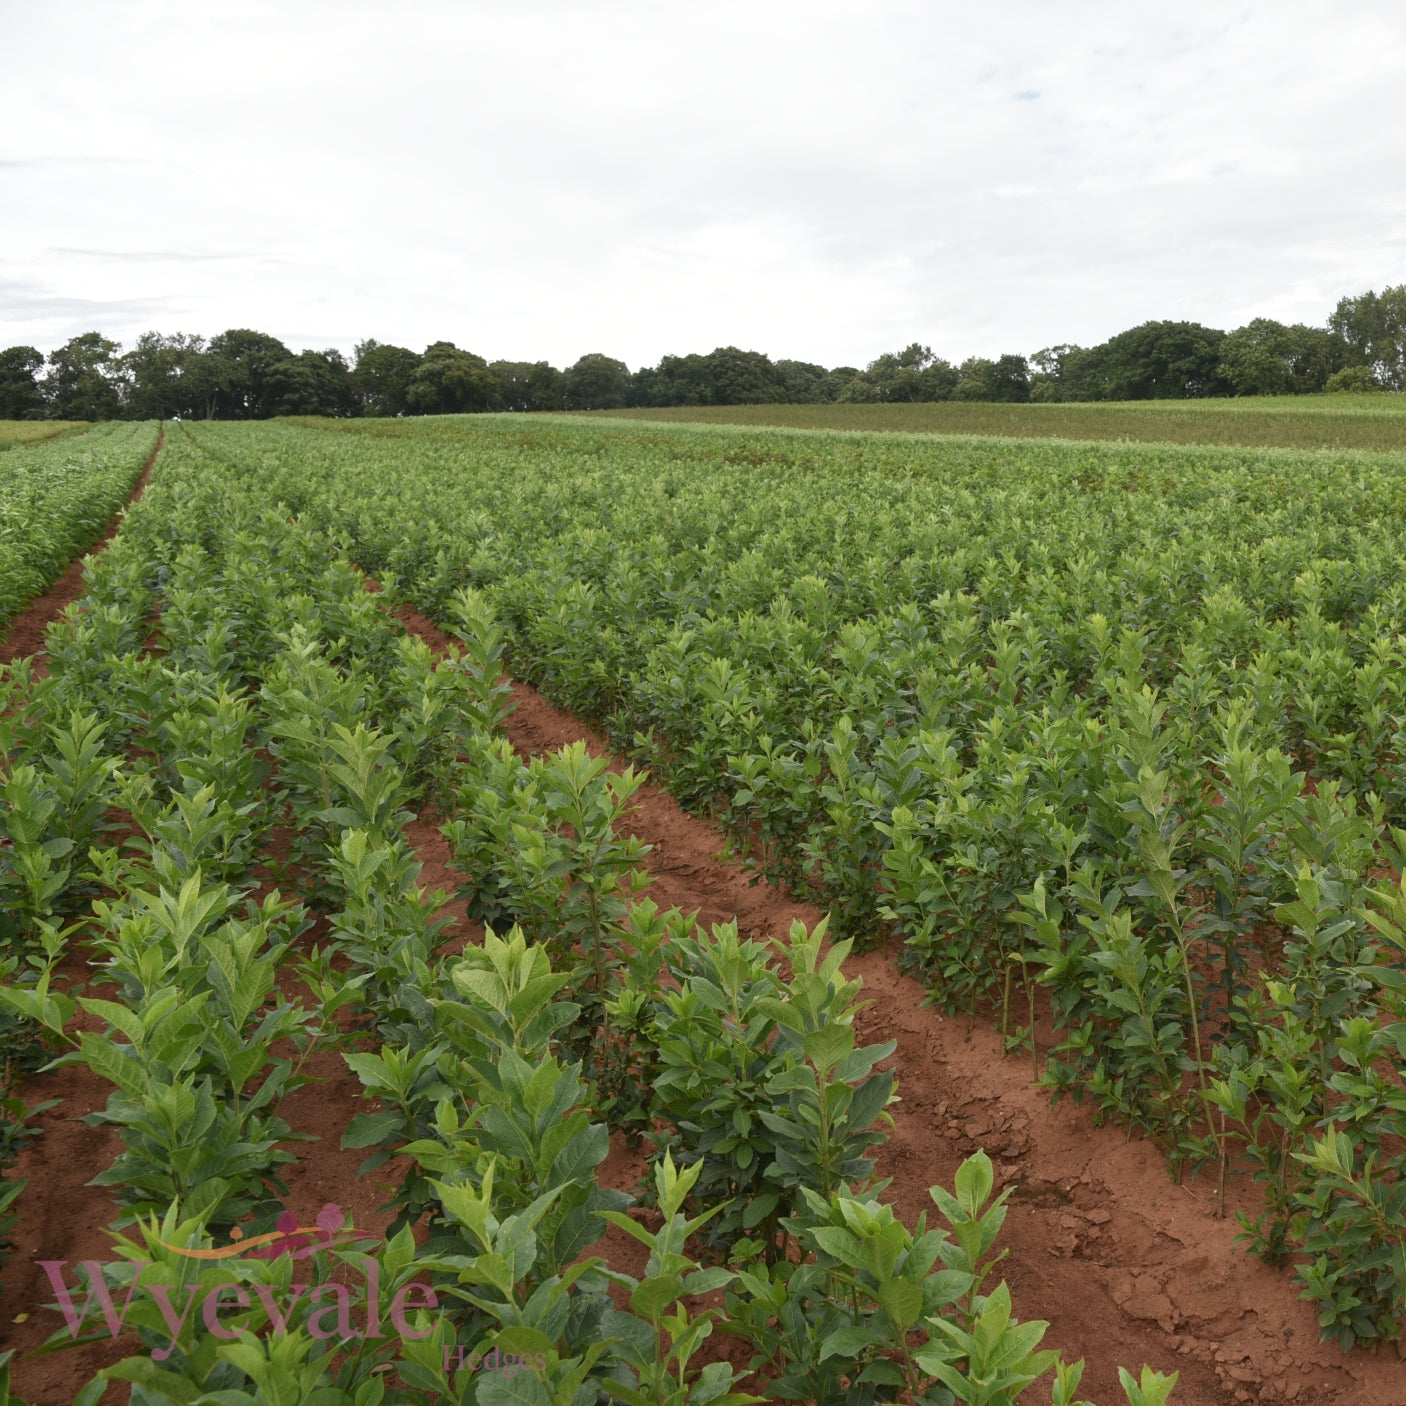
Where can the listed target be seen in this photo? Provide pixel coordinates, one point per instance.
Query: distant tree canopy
(1184, 360)
(244, 362)
(382, 378)
(530, 385)
(1267, 358)
(597, 382)
(247, 375)
(1006, 379)
(726, 376)
(83, 379)
(912, 374)
(163, 373)
(1373, 327)
(21, 395)
(452, 382)
(1157, 361)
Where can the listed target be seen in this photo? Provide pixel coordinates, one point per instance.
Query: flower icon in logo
(287, 1238)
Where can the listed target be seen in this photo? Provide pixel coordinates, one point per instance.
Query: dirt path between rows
(26, 631)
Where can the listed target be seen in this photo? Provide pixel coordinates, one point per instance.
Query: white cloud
(812, 178)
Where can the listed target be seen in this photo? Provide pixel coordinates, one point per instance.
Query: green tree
(1159, 361)
(677, 380)
(21, 395)
(1374, 327)
(738, 377)
(529, 385)
(913, 374)
(159, 370)
(597, 382)
(312, 383)
(1353, 380)
(1065, 372)
(804, 382)
(857, 388)
(86, 379)
(244, 371)
(1006, 379)
(974, 379)
(1268, 358)
(382, 377)
(452, 382)
(845, 384)
(206, 380)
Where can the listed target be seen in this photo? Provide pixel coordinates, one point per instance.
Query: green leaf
(373, 1129)
(704, 1281)
(849, 1342)
(973, 1183)
(656, 1295)
(518, 1389)
(827, 1047)
(902, 1301)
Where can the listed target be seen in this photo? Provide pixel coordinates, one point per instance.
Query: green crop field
(1104, 742)
(56, 495)
(13, 432)
(1116, 727)
(1376, 422)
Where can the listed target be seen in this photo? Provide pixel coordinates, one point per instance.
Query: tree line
(247, 375)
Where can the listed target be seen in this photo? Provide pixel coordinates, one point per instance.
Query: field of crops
(207, 800)
(13, 432)
(1103, 742)
(56, 497)
(1112, 732)
(1372, 422)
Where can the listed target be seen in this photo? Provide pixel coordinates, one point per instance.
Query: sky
(821, 180)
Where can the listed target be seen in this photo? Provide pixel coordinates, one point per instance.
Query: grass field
(1288, 422)
(13, 432)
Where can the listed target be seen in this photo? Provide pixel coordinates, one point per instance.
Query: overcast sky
(808, 178)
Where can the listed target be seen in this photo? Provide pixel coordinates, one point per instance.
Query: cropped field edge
(432, 426)
(1001, 626)
(1330, 428)
(14, 433)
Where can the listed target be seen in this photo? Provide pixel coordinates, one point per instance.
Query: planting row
(227, 679)
(1113, 734)
(56, 497)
